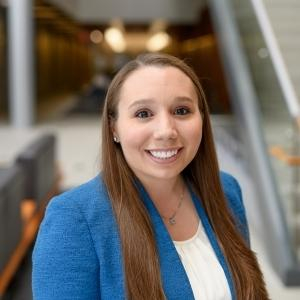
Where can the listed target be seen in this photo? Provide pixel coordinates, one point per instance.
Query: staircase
(277, 124)
(284, 17)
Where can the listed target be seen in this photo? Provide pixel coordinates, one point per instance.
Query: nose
(165, 128)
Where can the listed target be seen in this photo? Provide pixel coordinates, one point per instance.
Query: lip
(165, 160)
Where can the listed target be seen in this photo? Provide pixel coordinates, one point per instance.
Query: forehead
(149, 80)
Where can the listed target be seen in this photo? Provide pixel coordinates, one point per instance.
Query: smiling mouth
(164, 154)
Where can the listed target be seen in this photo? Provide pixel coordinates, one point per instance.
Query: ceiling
(132, 11)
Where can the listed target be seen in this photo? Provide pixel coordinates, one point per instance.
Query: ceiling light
(96, 36)
(114, 37)
(158, 41)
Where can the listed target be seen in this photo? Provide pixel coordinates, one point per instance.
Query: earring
(116, 140)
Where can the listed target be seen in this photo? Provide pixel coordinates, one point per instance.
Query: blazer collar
(175, 281)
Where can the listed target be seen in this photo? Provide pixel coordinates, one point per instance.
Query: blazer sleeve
(65, 264)
(234, 196)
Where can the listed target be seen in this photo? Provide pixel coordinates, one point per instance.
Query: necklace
(171, 219)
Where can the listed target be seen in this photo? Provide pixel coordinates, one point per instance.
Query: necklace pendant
(172, 221)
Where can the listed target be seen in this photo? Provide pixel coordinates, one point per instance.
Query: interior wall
(63, 63)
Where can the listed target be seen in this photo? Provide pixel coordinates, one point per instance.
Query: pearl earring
(116, 140)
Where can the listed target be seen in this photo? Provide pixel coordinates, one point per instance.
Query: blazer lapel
(213, 241)
(175, 281)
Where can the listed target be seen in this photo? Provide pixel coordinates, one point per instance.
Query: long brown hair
(141, 265)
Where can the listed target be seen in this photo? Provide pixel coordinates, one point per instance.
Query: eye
(181, 111)
(142, 114)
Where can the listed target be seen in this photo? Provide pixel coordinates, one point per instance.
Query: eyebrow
(185, 99)
(149, 101)
(141, 102)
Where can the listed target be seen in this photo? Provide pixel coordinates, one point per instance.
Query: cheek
(133, 143)
(194, 129)
(194, 134)
(132, 138)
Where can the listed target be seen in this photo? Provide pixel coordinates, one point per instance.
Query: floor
(78, 144)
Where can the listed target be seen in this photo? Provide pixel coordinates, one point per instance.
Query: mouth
(164, 155)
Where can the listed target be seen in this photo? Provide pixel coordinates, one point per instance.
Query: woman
(161, 221)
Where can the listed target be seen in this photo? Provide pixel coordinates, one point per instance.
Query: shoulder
(81, 211)
(232, 191)
(77, 238)
(233, 194)
(79, 195)
(229, 183)
(82, 199)
(78, 215)
(65, 261)
(71, 215)
(69, 211)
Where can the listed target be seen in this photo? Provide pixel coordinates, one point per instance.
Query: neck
(165, 193)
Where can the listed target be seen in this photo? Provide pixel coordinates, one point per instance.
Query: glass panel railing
(280, 129)
(266, 109)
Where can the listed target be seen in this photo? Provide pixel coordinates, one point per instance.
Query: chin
(165, 175)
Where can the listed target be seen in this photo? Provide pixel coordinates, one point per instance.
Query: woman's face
(159, 124)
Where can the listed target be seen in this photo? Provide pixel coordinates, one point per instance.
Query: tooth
(164, 154)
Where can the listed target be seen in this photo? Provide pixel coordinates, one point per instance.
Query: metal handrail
(281, 154)
(277, 60)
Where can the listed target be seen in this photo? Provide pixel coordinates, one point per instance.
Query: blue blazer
(78, 255)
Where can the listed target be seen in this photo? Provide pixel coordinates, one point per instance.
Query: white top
(206, 275)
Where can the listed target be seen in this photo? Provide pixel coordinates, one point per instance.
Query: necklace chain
(172, 220)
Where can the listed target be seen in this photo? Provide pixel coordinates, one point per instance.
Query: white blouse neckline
(191, 239)
(206, 275)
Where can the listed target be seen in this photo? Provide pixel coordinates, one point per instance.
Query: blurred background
(57, 58)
